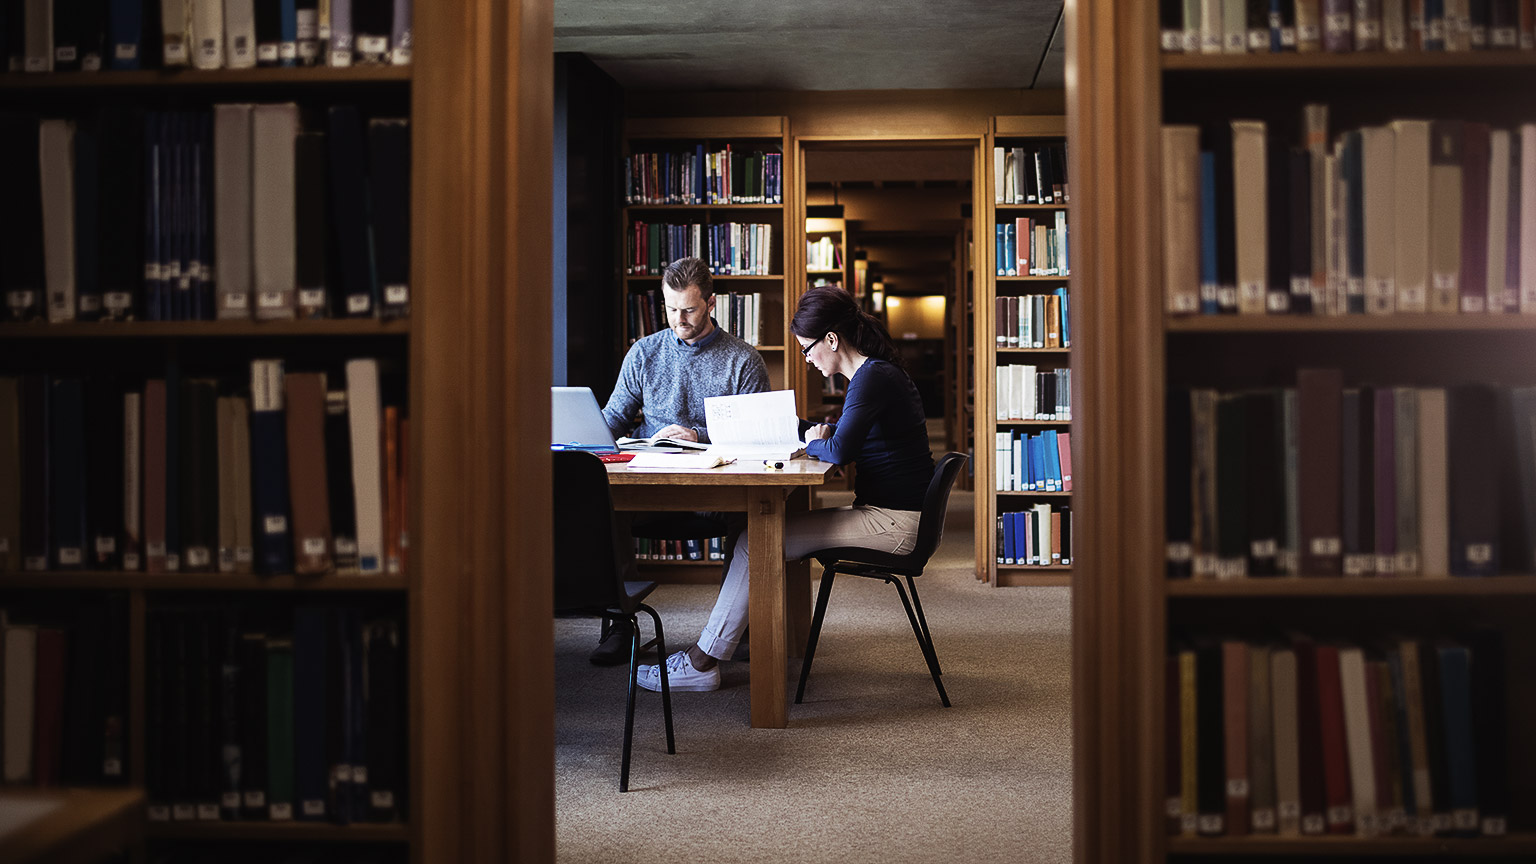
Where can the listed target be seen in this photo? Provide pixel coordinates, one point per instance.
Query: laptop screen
(577, 421)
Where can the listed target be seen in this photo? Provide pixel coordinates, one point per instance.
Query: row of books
(65, 686)
(1327, 480)
(1039, 536)
(1030, 175)
(292, 476)
(700, 549)
(738, 314)
(694, 176)
(232, 213)
(1033, 247)
(823, 254)
(1027, 392)
(1311, 737)
(1034, 320)
(297, 717)
(1274, 26)
(1412, 216)
(729, 248)
(1034, 463)
(65, 35)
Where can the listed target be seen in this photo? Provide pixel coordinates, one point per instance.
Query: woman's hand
(820, 430)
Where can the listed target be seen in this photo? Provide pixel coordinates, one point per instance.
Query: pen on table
(772, 464)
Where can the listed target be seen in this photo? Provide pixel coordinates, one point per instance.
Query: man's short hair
(689, 271)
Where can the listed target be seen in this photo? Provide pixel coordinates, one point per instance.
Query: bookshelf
(827, 263)
(1129, 614)
(1013, 219)
(685, 146)
(131, 351)
(961, 330)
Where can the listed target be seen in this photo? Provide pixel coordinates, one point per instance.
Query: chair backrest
(935, 505)
(591, 558)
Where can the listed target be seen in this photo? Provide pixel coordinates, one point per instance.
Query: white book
(20, 684)
(274, 129)
(364, 417)
(1434, 485)
(1043, 551)
(1248, 192)
(1002, 162)
(37, 36)
(56, 157)
(1003, 454)
(1357, 734)
(232, 203)
(341, 46)
(1498, 218)
(1379, 165)
(175, 32)
(1527, 238)
(207, 34)
(240, 33)
(1411, 214)
(1234, 26)
(1210, 27)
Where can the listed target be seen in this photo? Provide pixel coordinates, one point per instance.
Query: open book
(754, 425)
(662, 444)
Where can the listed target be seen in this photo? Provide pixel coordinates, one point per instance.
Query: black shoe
(615, 649)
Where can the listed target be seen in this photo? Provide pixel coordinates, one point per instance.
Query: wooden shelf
(1066, 278)
(654, 562)
(206, 329)
(1336, 586)
(1067, 350)
(1360, 60)
(1034, 422)
(1523, 845)
(1400, 323)
(109, 579)
(629, 208)
(718, 278)
(1034, 494)
(823, 272)
(302, 832)
(1014, 576)
(1033, 206)
(160, 78)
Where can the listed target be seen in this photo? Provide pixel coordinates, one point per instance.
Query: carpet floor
(871, 769)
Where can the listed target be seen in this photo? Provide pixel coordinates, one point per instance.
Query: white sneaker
(681, 676)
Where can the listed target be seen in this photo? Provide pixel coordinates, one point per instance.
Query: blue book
(1210, 278)
(1066, 317)
(1456, 702)
(269, 469)
(1010, 257)
(125, 33)
(1052, 461)
(288, 34)
(1010, 540)
(312, 771)
(152, 202)
(1037, 460)
(1000, 248)
(1434, 25)
(1020, 520)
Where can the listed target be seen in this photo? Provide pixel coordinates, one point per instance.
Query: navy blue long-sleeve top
(882, 430)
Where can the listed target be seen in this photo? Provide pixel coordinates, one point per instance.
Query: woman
(882, 429)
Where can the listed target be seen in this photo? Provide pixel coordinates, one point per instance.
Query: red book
(391, 489)
(48, 719)
(1335, 747)
(404, 470)
(1474, 217)
(1309, 740)
(1234, 694)
(1064, 447)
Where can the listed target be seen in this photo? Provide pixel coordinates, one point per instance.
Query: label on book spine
(1237, 787)
(313, 807)
(175, 51)
(117, 301)
(1173, 41)
(1495, 826)
(1290, 810)
(373, 44)
(91, 62)
(230, 800)
(1340, 815)
(314, 545)
(1211, 823)
(111, 767)
(1407, 562)
(126, 51)
(172, 562)
(269, 300)
(312, 298)
(1313, 823)
(158, 813)
(35, 562)
(274, 523)
(255, 798)
(266, 52)
(235, 300)
(1263, 819)
(90, 303)
(209, 50)
(71, 555)
(184, 812)
(383, 799)
(65, 53)
(226, 560)
(20, 299)
(1474, 304)
(1325, 545)
(340, 58)
(288, 51)
(1464, 819)
(245, 554)
(131, 561)
(1278, 302)
(198, 556)
(1479, 553)
(208, 812)
(1386, 565)
(280, 812)
(397, 295)
(1173, 807)
(359, 304)
(36, 64)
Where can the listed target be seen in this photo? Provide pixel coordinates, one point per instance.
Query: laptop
(577, 422)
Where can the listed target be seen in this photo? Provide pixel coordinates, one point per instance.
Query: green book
(280, 729)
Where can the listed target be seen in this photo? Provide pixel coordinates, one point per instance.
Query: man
(666, 377)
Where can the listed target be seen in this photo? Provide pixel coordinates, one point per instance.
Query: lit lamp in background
(877, 296)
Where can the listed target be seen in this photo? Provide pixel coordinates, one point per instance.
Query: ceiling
(818, 45)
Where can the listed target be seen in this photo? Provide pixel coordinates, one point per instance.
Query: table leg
(765, 607)
(797, 585)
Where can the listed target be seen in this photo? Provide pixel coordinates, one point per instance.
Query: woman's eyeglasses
(806, 351)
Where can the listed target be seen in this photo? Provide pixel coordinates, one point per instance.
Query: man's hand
(820, 430)
(678, 433)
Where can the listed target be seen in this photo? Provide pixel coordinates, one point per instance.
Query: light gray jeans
(893, 531)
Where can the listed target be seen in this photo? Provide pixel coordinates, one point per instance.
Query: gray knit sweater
(668, 380)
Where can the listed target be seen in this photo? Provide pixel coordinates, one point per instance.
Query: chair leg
(661, 660)
(918, 604)
(810, 646)
(629, 708)
(928, 655)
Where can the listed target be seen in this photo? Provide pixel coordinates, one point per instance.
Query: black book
(66, 474)
(357, 715)
(14, 40)
(1472, 446)
(1170, 21)
(385, 709)
(1299, 206)
(21, 219)
(1490, 718)
(338, 470)
(1279, 224)
(206, 742)
(93, 35)
(1266, 472)
(203, 282)
(175, 439)
(1231, 487)
(121, 234)
(1210, 753)
(1434, 736)
(34, 472)
(156, 699)
(312, 771)
(152, 38)
(312, 223)
(87, 215)
(372, 21)
(358, 295)
(307, 30)
(199, 457)
(1177, 491)
(1066, 535)
(114, 689)
(104, 471)
(84, 694)
(1258, 26)
(1024, 163)
(1479, 13)
(338, 707)
(269, 31)
(231, 761)
(179, 754)
(1359, 488)
(67, 21)
(253, 724)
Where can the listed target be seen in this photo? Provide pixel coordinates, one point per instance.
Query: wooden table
(71, 826)
(778, 598)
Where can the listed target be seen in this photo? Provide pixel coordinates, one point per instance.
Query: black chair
(595, 573)
(853, 561)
